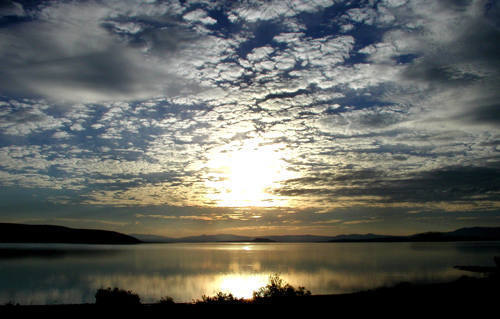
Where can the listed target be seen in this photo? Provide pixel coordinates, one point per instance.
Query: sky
(180, 118)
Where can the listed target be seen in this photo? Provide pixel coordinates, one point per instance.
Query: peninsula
(21, 233)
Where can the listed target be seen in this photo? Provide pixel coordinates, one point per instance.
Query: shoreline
(464, 294)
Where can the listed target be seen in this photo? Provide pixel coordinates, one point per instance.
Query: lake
(59, 273)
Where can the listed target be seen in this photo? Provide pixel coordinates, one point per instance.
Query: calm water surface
(56, 273)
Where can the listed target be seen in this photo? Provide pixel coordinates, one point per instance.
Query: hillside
(21, 233)
(463, 234)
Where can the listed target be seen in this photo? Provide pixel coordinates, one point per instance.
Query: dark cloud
(467, 60)
(486, 113)
(11, 9)
(77, 62)
(447, 75)
(447, 184)
(109, 71)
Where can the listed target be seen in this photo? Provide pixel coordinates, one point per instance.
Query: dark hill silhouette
(270, 239)
(481, 233)
(21, 233)
(148, 238)
(263, 240)
(462, 234)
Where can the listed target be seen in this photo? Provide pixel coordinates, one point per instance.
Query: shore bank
(465, 295)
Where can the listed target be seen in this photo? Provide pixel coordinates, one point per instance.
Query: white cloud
(394, 3)
(259, 54)
(269, 10)
(199, 16)
(61, 135)
(23, 119)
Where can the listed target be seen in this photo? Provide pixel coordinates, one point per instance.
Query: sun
(245, 176)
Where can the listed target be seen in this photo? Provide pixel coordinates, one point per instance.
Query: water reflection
(187, 271)
(241, 285)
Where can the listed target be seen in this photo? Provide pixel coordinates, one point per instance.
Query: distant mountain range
(236, 238)
(463, 234)
(20, 233)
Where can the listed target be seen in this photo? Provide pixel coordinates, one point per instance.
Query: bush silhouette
(167, 300)
(115, 297)
(221, 298)
(277, 288)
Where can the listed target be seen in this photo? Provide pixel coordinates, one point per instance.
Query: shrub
(116, 297)
(221, 298)
(277, 288)
(11, 304)
(167, 300)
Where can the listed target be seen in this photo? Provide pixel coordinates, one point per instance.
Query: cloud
(199, 16)
(362, 221)
(128, 105)
(67, 54)
(11, 9)
(331, 221)
(456, 61)
(255, 11)
(155, 216)
(450, 184)
(21, 119)
(61, 135)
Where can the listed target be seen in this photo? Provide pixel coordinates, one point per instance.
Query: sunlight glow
(242, 286)
(245, 177)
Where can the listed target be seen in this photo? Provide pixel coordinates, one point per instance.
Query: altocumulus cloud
(381, 115)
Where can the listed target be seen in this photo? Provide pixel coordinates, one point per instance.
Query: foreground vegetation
(277, 289)
(471, 296)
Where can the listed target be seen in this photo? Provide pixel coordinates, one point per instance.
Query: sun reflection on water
(241, 285)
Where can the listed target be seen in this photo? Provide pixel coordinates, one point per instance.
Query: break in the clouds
(255, 117)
